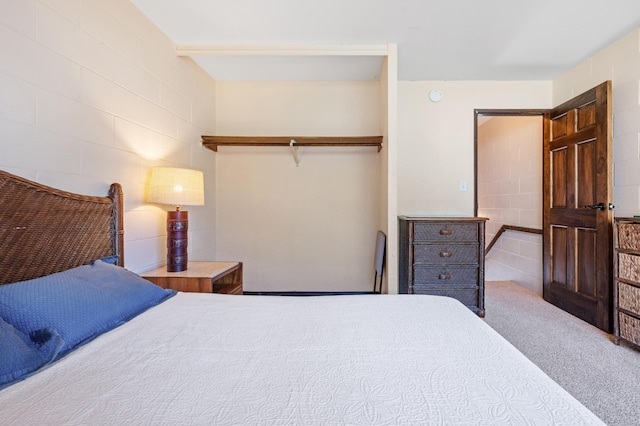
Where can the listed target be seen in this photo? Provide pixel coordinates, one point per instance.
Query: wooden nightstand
(202, 277)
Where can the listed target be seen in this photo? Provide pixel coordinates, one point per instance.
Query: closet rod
(213, 142)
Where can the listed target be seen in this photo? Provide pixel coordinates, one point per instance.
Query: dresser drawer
(629, 236)
(443, 231)
(440, 254)
(629, 328)
(629, 298)
(446, 276)
(468, 296)
(629, 267)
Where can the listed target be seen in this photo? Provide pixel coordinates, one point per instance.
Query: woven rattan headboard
(45, 230)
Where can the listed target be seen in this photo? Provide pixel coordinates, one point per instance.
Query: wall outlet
(463, 186)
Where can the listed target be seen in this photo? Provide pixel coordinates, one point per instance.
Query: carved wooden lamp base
(177, 234)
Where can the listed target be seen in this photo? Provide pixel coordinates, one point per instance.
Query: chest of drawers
(443, 256)
(626, 289)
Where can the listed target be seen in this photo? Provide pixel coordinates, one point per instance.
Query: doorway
(577, 203)
(509, 193)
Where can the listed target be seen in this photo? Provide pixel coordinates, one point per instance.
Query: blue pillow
(80, 303)
(21, 355)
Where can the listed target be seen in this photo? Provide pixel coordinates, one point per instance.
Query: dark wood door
(577, 236)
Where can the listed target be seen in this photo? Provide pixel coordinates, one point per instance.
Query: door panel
(586, 116)
(559, 125)
(586, 164)
(559, 171)
(577, 177)
(559, 239)
(586, 250)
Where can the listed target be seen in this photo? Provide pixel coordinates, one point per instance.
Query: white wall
(306, 228)
(620, 63)
(91, 92)
(436, 140)
(510, 193)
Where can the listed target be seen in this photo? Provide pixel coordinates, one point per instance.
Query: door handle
(599, 206)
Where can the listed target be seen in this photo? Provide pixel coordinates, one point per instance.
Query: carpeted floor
(581, 358)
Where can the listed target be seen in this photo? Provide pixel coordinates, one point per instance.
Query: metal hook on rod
(294, 149)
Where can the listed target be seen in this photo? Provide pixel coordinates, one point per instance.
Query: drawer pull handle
(446, 254)
(444, 276)
(446, 232)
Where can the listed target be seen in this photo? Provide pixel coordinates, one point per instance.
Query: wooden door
(577, 232)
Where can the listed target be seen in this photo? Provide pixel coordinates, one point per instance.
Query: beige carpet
(581, 358)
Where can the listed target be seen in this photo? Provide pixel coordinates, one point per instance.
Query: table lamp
(178, 187)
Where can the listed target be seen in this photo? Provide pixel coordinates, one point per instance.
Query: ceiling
(437, 40)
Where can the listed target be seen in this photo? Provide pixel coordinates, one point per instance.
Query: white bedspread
(355, 360)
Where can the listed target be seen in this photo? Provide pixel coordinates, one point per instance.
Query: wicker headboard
(45, 230)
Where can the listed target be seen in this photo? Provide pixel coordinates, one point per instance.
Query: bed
(189, 358)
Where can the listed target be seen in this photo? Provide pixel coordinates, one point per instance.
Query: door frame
(545, 114)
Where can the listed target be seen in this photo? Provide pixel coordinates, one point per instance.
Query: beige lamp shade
(177, 187)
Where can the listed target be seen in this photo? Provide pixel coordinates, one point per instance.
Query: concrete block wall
(91, 92)
(620, 63)
(510, 193)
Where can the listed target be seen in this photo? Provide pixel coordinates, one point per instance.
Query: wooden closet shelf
(213, 142)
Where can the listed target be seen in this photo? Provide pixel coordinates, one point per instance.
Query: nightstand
(202, 277)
